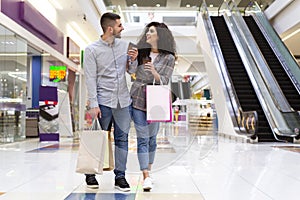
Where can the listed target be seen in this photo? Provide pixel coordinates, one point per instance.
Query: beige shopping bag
(159, 107)
(109, 156)
(91, 154)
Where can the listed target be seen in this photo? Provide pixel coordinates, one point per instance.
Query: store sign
(57, 73)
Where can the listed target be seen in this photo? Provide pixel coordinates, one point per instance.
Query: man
(105, 63)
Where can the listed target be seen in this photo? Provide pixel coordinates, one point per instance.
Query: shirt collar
(106, 43)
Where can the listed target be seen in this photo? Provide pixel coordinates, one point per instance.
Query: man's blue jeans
(146, 138)
(120, 117)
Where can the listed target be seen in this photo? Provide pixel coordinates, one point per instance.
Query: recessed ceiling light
(211, 5)
(134, 5)
(188, 5)
(158, 5)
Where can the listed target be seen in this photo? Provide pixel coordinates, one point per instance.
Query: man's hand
(95, 112)
(133, 53)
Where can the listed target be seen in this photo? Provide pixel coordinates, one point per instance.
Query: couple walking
(106, 62)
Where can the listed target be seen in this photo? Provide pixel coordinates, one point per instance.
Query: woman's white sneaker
(151, 177)
(147, 185)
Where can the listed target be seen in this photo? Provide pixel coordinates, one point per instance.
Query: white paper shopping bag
(158, 100)
(92, 147)
(109, 154)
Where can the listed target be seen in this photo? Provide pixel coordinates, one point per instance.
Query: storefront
(23, 69)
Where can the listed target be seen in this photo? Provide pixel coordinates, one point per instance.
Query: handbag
(159, 106)
(92, 147)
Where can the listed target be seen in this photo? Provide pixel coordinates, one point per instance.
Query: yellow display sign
(57, 73)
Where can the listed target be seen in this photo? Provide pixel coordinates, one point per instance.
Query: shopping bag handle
(160, 81)
(96, 125)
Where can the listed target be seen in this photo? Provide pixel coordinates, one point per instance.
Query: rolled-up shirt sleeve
(90, 70)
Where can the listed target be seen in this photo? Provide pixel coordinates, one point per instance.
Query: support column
(36, 80)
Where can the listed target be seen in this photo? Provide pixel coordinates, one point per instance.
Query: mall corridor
(188, 166)
(231, 124)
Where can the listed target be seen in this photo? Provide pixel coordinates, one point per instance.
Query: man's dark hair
(108, 19)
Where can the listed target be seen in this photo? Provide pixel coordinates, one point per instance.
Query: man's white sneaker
(147, 185)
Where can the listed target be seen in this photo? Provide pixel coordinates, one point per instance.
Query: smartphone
(146, 60)
(131, 46)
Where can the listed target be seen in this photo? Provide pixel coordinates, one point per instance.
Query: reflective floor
(190, 164)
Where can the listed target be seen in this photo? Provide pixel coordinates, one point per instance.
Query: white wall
(284, 14)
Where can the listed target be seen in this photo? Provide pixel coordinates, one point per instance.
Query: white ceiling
(76, 10)
(86, 13)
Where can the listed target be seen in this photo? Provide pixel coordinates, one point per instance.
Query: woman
(156, 60)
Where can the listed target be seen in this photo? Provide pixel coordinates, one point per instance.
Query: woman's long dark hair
(165, 44)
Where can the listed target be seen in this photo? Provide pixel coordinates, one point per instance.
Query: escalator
(238, 74)
(284, 82)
